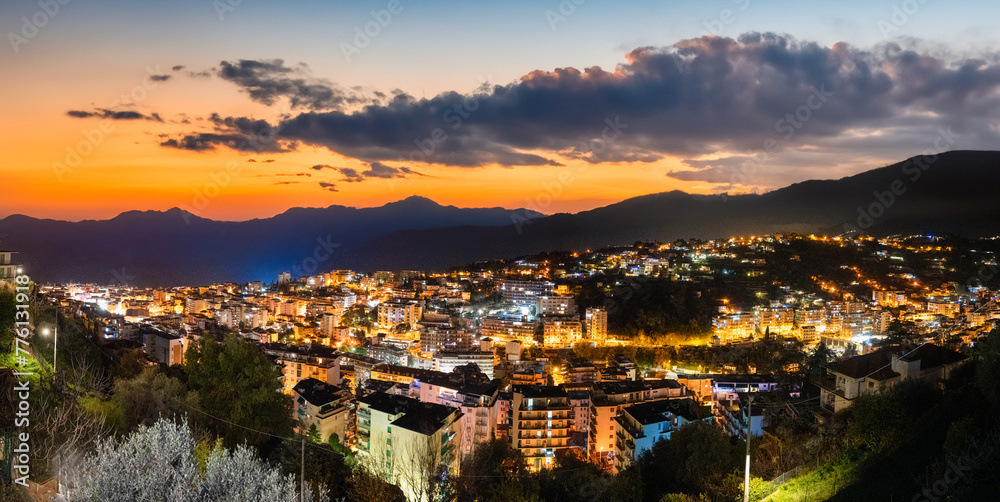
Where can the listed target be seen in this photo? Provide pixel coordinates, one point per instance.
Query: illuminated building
(540, 424)
(596, 323)
(640, 426)
(607, 401)
(734, 326)
(561, 332)
(410, 439)
(8, 269)
(524, 293)
(320, 404)
(398, 311)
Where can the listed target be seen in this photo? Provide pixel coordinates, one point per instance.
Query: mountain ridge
(954, 194)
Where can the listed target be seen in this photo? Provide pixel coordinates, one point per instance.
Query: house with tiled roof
(874, 372)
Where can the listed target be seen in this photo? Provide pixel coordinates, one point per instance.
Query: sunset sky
(242, 109)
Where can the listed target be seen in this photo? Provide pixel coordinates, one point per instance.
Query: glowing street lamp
(55, 344)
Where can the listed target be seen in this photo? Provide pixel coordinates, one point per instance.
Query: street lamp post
(55, 342)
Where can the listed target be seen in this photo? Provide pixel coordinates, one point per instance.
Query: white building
(323, 405)
(408, 439)
(447, 361)
(597, 324)
(397, 312)
(556, 306)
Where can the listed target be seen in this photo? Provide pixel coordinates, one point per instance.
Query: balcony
(542, 407)
(562, 433)
(536, 415)
(544, 443)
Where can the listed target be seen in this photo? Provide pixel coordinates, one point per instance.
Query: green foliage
(987, 359)
(881, 421)
(160, 463)
(150, 396)
(327, 472)
(572, 478)
(493, 465)
(238, 383)
(7, 311)
(819, 484)
(313, 435)
(696, 459)
(334, 443)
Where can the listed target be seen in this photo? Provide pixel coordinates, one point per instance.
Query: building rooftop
(540, 391)
(878, 364)
(425, 418)
(316, 392)
(655, 411)
(478, 384)
(620, 386)
(387, 403)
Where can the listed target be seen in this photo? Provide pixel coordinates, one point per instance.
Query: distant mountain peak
(415, 201)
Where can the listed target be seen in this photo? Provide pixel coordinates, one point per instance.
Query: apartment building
(409, 439)
(399, 311)
(164, 348)
(305, 361)
(579, 370)
(524, 293)
(558, 305)
(596, 324)
(640, 426)
(503, 329)
(734, 326)
(607, 401)
(561, 332)
(475, 395)
(435, 338)
(775, 320)
(446, 361)
(8, 269)
(540, 418)
(322, 405)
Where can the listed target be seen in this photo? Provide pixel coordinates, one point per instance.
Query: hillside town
(524, 351)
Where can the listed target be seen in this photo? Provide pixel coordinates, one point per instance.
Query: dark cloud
(375, 170)
(114, 115)
(178, 68)
(159, 78)
(266, 81)
(696, 98)
(351, 175)
(286, 182)
(329, 186)
(236, 133)
(380, 170)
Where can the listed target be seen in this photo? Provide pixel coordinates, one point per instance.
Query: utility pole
(302, 479)
(55, 340)
(746, 476)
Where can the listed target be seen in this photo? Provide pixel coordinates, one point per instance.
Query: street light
(55, 344)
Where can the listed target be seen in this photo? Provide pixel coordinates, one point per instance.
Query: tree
(238, 383)
(159, 463)
(494, 468)
(313, 435)
(149, 397)
(696, 459)
(327, 471)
